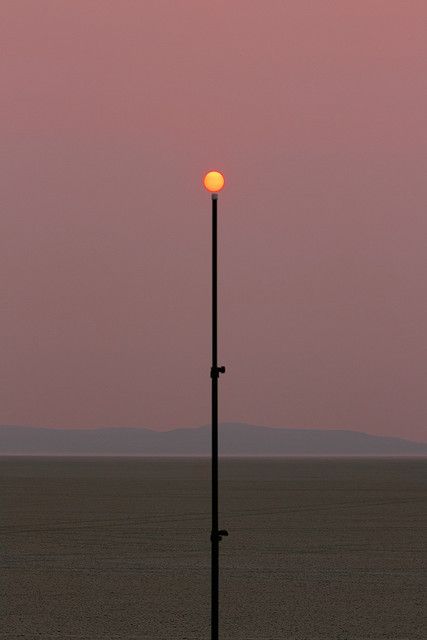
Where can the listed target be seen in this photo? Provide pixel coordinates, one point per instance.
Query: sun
(213, 181)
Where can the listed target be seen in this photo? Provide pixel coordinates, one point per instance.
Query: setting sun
(213, 181)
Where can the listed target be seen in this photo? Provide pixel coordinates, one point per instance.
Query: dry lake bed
(331, 549)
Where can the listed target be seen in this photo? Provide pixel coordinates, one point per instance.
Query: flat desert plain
(118, 548)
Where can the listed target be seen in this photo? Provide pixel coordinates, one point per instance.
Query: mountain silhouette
(236, 439)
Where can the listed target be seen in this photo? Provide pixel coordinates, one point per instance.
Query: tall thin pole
(216, 534)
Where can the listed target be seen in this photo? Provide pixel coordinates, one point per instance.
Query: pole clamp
(218, 535)
(215, 371)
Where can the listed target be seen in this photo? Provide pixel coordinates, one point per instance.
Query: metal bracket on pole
(219, 534)
(215, 371)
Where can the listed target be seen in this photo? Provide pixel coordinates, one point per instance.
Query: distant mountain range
(236, 439)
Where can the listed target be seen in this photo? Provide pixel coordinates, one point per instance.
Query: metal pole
(216, 534)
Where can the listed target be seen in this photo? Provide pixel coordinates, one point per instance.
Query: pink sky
(317, 114)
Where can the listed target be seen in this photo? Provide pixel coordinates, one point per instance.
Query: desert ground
(118, 548)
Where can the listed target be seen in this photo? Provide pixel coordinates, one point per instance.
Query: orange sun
(213, 181)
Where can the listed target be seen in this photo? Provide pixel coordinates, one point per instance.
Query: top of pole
(213, 182)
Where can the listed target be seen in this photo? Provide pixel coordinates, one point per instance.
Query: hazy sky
(316, 111)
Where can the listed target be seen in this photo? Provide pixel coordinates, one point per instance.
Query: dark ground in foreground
(119, 548)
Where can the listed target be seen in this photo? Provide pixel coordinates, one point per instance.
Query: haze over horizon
(317, 115)
(207, 425)
(236, 439)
